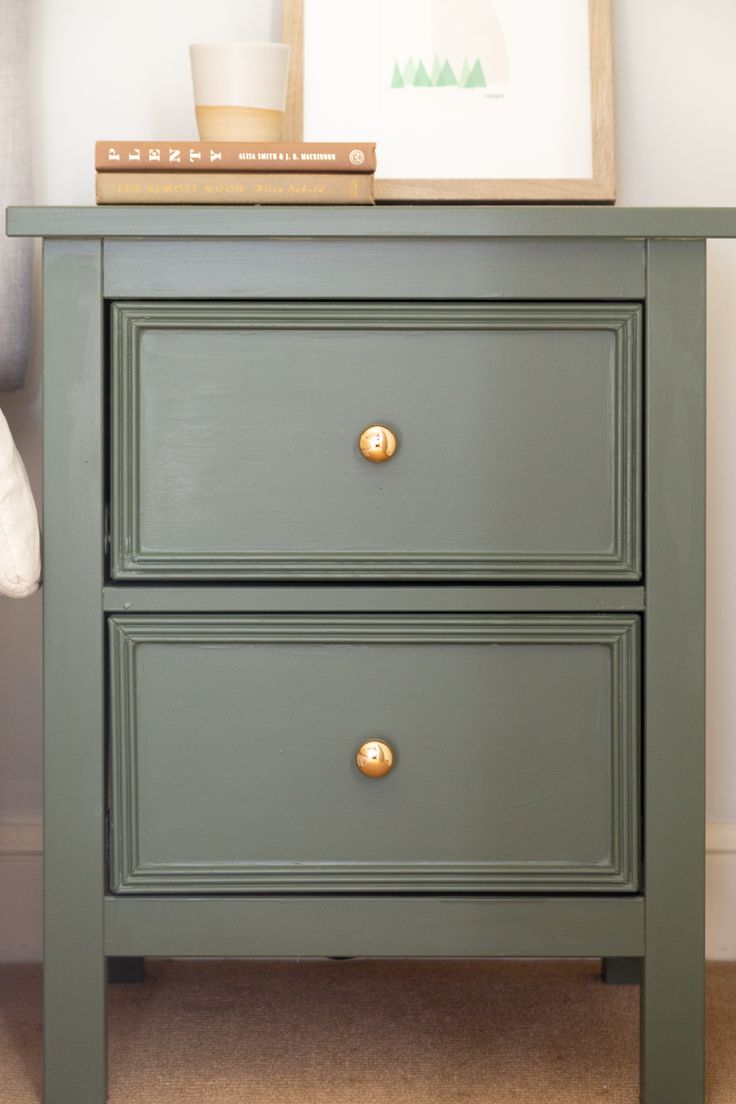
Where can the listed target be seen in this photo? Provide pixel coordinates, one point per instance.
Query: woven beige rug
(365, 1031)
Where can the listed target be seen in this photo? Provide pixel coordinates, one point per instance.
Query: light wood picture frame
(598, 187)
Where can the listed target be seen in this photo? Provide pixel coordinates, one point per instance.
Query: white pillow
(20, 555)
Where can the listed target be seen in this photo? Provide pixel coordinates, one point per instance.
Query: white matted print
(455, 90)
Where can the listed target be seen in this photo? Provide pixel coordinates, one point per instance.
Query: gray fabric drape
(15, 188)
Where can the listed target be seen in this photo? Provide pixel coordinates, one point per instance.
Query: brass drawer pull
(374, 758)
(377, 443)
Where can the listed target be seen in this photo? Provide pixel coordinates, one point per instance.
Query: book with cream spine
(197, 188)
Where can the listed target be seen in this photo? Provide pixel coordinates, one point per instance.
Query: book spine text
(306, 188)
(235, 157)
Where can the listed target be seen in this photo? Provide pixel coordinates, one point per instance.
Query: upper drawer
(235, 432)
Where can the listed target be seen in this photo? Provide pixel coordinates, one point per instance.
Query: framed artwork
(467, 100)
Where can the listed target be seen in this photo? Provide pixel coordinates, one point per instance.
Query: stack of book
(235, 172)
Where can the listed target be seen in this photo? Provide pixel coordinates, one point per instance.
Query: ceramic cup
(239, 90)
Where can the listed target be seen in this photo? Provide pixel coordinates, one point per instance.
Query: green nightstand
(497, 594)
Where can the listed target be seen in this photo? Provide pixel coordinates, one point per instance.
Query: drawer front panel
(235, 435)
(233, 745)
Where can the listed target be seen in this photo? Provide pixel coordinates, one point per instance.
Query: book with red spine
(321, 157)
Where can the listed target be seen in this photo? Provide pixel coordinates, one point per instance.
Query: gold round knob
(377, 443)
(374, 758)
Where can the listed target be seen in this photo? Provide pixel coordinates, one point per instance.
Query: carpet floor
(366, 1031)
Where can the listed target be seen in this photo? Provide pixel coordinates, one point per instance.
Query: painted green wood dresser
(374, 596)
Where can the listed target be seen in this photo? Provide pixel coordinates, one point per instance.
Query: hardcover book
(347, 157)
(231, 187)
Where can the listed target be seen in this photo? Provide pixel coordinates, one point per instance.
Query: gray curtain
(15, 188)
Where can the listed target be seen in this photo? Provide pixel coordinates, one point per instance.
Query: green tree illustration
(397, 81)
(436, 69)
(476, 78)
(410, 71)
(446, 77)
(422, 78)
(464, 74)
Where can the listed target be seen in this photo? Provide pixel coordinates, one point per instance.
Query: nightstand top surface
(400, 220)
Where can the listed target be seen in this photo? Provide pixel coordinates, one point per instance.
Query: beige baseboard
(20, 840)
(21, 868)
(720, 893)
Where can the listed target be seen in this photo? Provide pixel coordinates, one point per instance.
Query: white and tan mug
(239, 90)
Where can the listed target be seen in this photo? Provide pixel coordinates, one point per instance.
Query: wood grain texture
(456, 926)
(600, 188)
(74, 753)
(292, 31)
(554, 396)
(233, 740)
(603, 185)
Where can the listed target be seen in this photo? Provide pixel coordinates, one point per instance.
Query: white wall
(104, 70)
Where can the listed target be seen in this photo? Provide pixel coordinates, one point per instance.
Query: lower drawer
(233, 745)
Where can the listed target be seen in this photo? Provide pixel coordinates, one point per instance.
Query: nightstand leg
(621, 971)
(672, 994)
(75, 1025)
(126, 970)
(672, 1028)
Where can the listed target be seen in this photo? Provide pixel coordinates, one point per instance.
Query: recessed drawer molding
(236, 433)
(513, 746)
